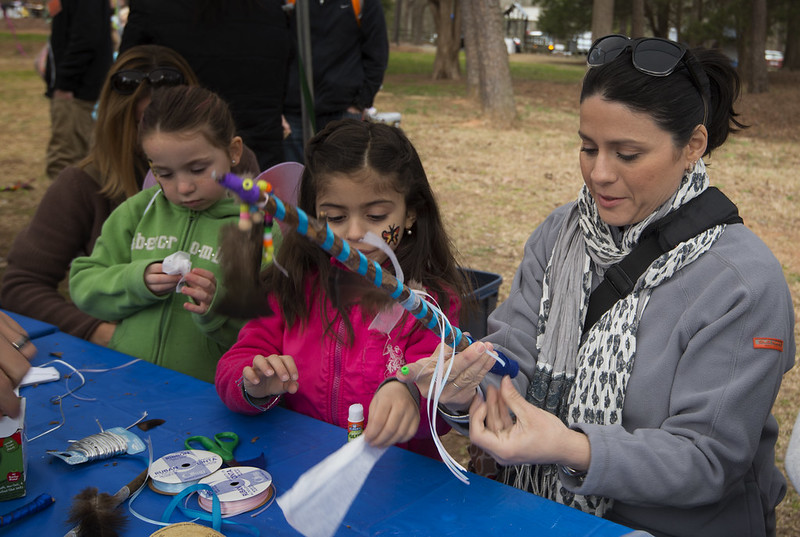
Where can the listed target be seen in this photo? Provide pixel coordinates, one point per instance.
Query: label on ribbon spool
(239, 489)
(176, 471)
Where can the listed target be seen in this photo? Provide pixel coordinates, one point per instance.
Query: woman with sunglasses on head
(77, 203)
(651, 406)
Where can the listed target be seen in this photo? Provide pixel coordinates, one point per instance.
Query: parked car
(774, 58)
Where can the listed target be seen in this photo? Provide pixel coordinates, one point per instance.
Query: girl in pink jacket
(331, 341)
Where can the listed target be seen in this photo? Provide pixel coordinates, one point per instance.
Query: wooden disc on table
(186, 529)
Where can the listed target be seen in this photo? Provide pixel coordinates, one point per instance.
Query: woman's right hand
(469, 368)
(271, 375)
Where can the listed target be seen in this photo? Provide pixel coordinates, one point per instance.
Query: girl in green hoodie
(166, 316)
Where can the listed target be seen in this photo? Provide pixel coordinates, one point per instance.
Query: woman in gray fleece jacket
(656, 413)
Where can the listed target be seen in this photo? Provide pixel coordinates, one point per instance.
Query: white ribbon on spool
(176, 471)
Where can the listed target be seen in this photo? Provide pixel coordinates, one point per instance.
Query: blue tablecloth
(406, 494)
(34, 327)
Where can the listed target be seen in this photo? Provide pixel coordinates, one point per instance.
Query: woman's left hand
(393, 416)
(534, 437)
(469, 368)
(201, 285)
(16, 351)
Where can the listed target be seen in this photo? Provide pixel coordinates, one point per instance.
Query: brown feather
(96, 515)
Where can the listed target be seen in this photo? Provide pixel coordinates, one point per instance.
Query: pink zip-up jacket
(332, 374)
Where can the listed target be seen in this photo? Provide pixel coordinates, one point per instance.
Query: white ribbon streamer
(319, 499)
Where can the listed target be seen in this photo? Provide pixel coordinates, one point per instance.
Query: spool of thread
(239, 489)
(176, 471)
(355, 421)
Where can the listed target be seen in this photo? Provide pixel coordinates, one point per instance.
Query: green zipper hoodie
(110, 285)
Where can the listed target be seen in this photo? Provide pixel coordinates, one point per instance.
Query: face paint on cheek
(391, 235)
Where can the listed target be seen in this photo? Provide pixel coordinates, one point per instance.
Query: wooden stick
(91, 510)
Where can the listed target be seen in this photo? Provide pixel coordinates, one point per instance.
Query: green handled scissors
(223, 444)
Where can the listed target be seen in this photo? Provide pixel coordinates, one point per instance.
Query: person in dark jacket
(239, 49)
(350, 52)
(80, 54)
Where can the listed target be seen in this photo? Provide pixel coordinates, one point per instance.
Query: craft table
(406, 494)
(35, 328)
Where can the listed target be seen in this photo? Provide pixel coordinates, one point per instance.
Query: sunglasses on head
(126, 82)
(652, 56)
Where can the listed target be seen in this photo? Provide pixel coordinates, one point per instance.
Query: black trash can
(485, 286)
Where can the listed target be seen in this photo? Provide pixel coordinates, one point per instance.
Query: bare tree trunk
(757, 81)
(448, 39)
(416, 19)
(469, 25)
(496, 91)
(695, 20)
(398, 17)
(637, 18)
(602, 18)
(657, 14)
(791, 57)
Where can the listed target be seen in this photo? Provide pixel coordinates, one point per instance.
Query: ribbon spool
(176, 471)
(186, 529)
(239, 489)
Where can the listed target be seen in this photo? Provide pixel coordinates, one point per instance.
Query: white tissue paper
(319, 499)
(177, 263)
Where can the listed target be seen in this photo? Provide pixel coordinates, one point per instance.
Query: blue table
(34, 327)
(406, 494)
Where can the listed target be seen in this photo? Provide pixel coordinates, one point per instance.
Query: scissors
(223, 445)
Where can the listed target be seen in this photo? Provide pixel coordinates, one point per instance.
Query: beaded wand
(257, 195)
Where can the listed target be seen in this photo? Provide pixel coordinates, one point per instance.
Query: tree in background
(752, 64)
(480, 24)
(491, 57)
(741, 27)
(471, 51)
(447, 18)
(602, 17)
(563, 19)
(789, 12)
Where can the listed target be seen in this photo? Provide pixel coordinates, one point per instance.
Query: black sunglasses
(126, 82)
(652, 56)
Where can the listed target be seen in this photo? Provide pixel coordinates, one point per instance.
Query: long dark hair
(674, 102)
(426, 255)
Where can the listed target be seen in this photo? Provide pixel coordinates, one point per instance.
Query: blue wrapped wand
(258, 194)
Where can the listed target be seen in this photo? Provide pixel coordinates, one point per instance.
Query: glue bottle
(355, 421)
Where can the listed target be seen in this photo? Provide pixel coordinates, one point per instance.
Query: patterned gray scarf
(586, 382)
